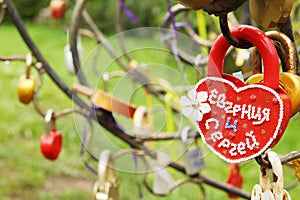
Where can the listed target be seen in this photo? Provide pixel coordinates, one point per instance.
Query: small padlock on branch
(51, 141)
(68, 55)
(142, 126)
(241, 114)
(288, 80)
(26, 83)
(193, 156)
(235, 178)
(267, 190)
(107, 186)
(106, 101)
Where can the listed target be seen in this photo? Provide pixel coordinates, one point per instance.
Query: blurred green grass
(25, 174)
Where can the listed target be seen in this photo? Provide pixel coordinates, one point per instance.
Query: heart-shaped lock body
(243, 120)
(288, 80)
(51, 142)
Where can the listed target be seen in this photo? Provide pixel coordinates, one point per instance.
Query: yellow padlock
(268, 13)
(194, 4)
(296, 164)
(288, 80)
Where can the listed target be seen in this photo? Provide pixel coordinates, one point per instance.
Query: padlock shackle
(259, 39)
(29, 64)
(50, 121)
(106, 172)
(288, 48)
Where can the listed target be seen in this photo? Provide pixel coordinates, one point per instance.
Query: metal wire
(229, 37)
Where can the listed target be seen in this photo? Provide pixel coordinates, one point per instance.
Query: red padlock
(243, 120)
(57, 8)
(51, 142)
(235, 178)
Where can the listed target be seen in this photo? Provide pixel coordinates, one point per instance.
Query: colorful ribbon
(128, 12)
(82, 150)
(172, 18)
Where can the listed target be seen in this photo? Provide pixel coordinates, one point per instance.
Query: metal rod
(229, 37)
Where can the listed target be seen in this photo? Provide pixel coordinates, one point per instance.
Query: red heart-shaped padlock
(50, 144)
(243, 120)
(235, 178)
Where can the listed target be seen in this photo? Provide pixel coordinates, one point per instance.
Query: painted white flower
(194, 105)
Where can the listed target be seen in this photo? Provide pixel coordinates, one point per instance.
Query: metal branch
(103, 117)
(185, 57)
(73, 40)
(290, 156)
(169, 136)
(178, 9)
(136, 75)
(229, 37)
(284, 159)
(101, 38)
(13, 58)
(17, 20)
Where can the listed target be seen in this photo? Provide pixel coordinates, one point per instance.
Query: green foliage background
(149, 13)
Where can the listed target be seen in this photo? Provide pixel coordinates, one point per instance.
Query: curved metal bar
(176, 185)
(108, 76)
(177, 9)
(35, 95)
(130, 151)
(285, 50)
(284, 159)
(13, 58)
(100, 37)
(287, 29)
(195, 36)
(290, 156)
(263, 162)
(229, 37)
(185, 57)
(136, 74)
(17, 20)
(292, 186)
(73, 39)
